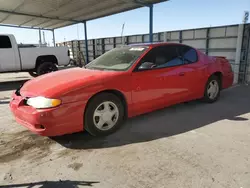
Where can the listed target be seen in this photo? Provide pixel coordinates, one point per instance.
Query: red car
(124, 82)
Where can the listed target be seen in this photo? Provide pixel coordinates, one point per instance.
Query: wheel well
(116, 93)
(46, 58)
(219, 76)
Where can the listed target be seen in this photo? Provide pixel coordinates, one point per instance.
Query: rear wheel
(212, 90)
(46, 67)
(104, 114)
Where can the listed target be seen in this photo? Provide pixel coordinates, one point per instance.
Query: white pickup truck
(35, 60)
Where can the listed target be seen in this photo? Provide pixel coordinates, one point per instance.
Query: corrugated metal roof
(53, 14)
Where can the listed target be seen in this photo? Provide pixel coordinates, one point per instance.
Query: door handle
(181, 74)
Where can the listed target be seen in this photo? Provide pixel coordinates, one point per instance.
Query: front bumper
(64, 119)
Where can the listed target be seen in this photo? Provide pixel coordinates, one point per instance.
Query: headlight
(42, 102)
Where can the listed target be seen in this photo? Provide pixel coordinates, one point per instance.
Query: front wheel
(46, 67)
(104, 114)
(33, 74)
(212, 90)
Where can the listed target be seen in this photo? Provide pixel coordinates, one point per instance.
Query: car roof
(155, 44)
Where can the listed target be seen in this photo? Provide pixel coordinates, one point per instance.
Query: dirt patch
(75, 166)
(8, 177)
(74, 158)
(64, 153)
(13, 146)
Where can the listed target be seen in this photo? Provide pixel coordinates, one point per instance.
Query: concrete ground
(192, 145)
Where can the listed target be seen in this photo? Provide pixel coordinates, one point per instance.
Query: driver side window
(164, 56)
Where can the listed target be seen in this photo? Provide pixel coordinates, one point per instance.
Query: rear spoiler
(220, 57)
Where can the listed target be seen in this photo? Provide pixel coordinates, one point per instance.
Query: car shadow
(11, 85)
(167, 122)
(53, 184)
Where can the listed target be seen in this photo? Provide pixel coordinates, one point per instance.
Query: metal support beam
(38, 16)
(94, 48)
(151, 23)
(103, 46)
(180, 37)
(114, 42)
(26, 22)
(165, 36)
(141, 3)
(245, 46)
(238, 52)
(207, 40)
(54, 40)
(150, 6)
(73, 51)
(14, 26)
(86, 42)
(159, 37)
(40, 38)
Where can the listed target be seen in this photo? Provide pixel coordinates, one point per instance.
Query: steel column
(103, 45)
(238, 53)
(40, 38)
(207, 40)
(180, 37)
(94, 48)
(73, 51)
(54, 40)
(86, 42)
(244, 65)
(150, 23)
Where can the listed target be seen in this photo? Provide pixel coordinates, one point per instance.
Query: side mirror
(146, 65)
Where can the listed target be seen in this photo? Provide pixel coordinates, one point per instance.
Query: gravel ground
(192, 145)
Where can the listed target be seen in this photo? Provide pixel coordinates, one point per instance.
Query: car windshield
(118, 58)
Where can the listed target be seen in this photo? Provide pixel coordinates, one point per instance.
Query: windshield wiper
(95, 68)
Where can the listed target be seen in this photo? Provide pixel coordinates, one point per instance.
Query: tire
(213, 95)
(96, 104)
(33, 74)
(46, 67)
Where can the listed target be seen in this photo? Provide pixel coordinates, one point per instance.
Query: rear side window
(164, 56)
(5, 42)
(189, 54)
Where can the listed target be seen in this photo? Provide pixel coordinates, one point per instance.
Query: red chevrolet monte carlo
(124, 82)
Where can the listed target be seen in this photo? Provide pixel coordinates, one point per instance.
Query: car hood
(57, 83)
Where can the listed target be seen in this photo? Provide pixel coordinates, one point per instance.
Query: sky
(168, 16)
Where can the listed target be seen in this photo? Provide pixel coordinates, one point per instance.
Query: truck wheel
(33, 74)
(46, 67)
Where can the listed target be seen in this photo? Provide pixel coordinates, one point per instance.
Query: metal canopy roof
(53, 14)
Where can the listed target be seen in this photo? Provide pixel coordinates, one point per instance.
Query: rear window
(5, 42)
(189, 54)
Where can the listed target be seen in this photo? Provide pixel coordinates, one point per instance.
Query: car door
(7, 55)
(193, 71)
(160, 86)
